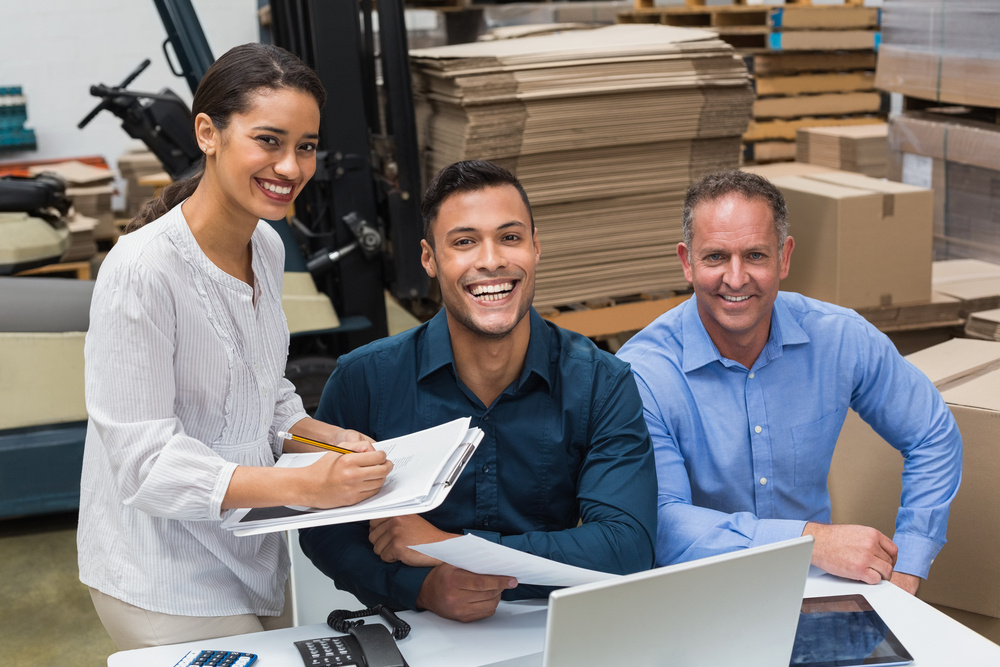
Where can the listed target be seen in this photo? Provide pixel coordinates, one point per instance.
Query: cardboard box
(865, 482)
(859, 241)
(987, 626)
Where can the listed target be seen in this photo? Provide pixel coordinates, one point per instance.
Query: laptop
(740, 608)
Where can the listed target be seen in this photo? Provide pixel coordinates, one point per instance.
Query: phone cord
(338, 620)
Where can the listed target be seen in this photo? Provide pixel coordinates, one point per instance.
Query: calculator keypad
(217, 659)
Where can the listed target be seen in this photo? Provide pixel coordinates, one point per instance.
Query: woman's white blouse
(184, 381)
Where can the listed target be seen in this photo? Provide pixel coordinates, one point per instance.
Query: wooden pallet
(788, 17)
(641, 4)
(953, 111)
(784, 63)
(614, 321)
(785, 129)
(79, 270)
(765, 152)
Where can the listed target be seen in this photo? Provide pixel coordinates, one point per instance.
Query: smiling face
(263, 158)
(735, 264)
(484, 256)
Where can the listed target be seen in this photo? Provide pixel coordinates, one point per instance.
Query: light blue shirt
(742, 456)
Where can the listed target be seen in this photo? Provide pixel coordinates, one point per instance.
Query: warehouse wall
(56, 49)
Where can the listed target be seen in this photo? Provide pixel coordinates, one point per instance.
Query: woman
(184, 377)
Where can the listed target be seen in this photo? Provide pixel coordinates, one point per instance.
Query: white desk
(935, 640)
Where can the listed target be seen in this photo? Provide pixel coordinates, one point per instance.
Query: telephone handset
(364, 646)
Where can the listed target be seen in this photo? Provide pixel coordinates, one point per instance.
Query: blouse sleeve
(130, 393)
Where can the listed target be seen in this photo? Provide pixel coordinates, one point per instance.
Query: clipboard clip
(470, 448)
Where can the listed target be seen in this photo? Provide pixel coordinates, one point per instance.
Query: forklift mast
(366, 190)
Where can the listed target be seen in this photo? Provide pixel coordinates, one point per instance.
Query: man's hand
(907, 582)
(854, 552)
(461, 595)
(392, 538)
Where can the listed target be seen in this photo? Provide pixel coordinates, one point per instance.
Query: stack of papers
(425, 465)
(605, 128)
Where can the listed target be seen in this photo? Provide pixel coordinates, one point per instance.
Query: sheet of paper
(475, 554)
(417, 462)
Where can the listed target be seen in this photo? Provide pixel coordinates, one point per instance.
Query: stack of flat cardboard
(865, 482)
(605, 128)
(984, 325)
(974, 282)
(133, 166)
(860, 148)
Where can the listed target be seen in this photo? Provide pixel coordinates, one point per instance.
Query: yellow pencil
(315, 443)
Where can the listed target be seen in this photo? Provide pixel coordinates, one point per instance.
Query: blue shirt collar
(437, 352)
(699, 350)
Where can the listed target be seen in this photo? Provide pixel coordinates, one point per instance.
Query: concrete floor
(46, 616)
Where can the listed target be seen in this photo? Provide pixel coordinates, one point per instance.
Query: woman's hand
(337, 480)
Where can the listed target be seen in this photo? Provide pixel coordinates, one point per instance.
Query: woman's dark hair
(226, 89)
(468, 176)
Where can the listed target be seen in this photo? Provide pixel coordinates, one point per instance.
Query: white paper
(475, 554)
(420, 462)
(918, 170)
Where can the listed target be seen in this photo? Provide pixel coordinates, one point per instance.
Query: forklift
(353, 236)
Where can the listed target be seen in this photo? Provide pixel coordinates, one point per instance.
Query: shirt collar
(699, 350)
(437, 353)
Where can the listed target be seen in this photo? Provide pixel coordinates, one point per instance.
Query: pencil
(315, 443)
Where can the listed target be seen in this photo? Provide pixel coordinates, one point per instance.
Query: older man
(745, 391)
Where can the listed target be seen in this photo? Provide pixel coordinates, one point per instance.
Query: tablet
(843, 631)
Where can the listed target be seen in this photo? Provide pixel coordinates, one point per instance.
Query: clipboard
(454, 443)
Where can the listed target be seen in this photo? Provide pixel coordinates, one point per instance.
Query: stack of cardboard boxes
(943, 59)
(865, 483)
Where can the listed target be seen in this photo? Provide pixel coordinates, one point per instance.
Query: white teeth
(492, 292)
(735, 299)
(276, 189)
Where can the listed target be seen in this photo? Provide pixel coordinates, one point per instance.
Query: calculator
(217, 659)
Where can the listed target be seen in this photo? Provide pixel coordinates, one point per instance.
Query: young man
(746, 389)
(565, 469)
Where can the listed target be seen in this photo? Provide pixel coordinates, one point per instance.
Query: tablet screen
(844, 630)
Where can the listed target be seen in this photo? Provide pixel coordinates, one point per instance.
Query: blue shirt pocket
(813, 445)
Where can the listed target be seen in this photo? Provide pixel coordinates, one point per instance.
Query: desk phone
(365, 646)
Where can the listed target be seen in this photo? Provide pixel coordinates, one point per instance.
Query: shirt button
(757, 429)
(751, 375)
(486, 468)
(763, 480)
(256, 367)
